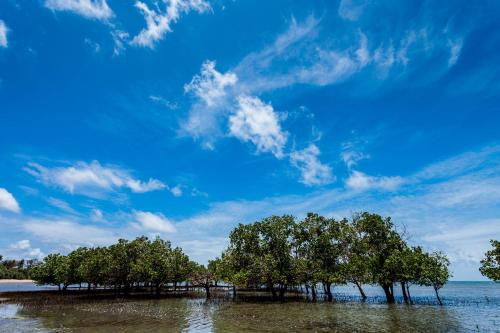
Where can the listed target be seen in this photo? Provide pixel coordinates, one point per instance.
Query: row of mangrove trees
(277, 254)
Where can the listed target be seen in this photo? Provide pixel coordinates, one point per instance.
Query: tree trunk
(403, 289)
(234, 291)
(388, 294)
(408, 292)
(437, 295)
(207, 290)
(282, 292)
(313, 289)
(328, 291)
(361, 291)
(273, 291)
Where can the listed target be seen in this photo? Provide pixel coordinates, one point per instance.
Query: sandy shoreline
(5, 281)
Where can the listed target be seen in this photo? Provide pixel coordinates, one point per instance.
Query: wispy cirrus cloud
(91, 179)
(92, 9)
(159, 22)
(3, 34)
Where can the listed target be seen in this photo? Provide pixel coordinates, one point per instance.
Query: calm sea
(469, 307)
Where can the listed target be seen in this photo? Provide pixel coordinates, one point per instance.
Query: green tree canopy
(490, 265)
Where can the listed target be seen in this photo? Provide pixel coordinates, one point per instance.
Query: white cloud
(21, 245)
(8, 202)
(176, 191)
(256, 121)
(296, 58)
(455, 49)
(91, 178)
(61, 204)
(210, 85)
(23, 249)
(153, 222)
(360, 181)
(3, 34)
(159, 23)
(351, 153)
(352, 9)
(93, 9)
(352, 157)
(119, 39)
(313, 172)
(212, 102)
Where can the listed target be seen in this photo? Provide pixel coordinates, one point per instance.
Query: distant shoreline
(5, 281)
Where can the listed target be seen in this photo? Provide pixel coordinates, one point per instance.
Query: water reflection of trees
(165, 315)
(300, 316)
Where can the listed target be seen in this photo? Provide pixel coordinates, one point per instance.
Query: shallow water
(469, 306)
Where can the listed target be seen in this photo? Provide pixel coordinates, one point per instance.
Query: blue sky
(183, 118)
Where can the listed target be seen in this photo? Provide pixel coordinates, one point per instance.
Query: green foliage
(435, 270)
(490, 265)
(140, 262)
(261, 254)
(275, 253)
(15, 269)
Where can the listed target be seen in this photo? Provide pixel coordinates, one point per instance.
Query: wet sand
(8, 281)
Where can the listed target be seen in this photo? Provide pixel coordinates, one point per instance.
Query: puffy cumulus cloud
(154, 222)
(158, 22)
(361, 182)
(91, 179)
(210, 85)
(313, 172)
(212, 102)
(23, 249)
(8, 202)
(256, 121)
(93, 9)
(3, 34)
